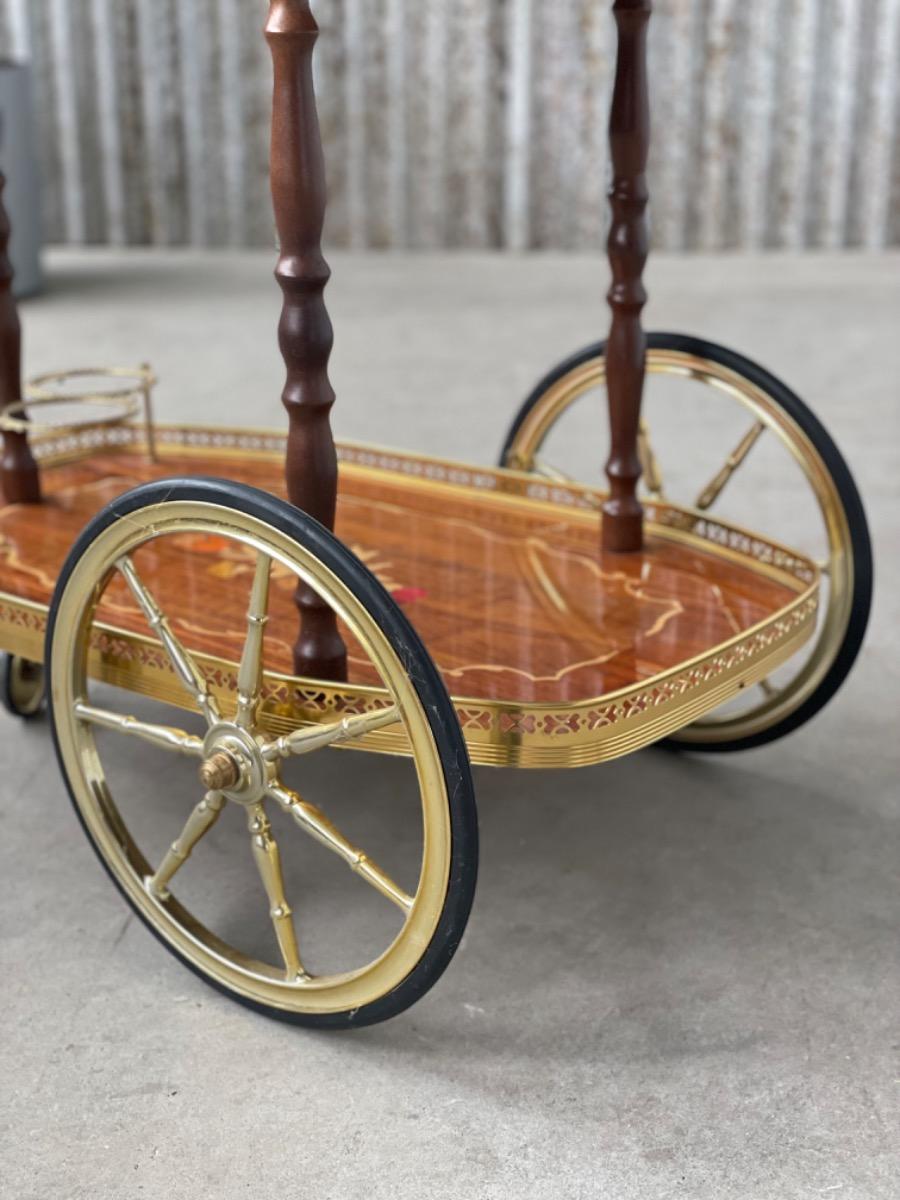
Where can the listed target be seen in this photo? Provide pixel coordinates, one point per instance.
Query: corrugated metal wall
(469, 122)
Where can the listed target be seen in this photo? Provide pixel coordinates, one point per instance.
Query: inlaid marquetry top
(508, 591)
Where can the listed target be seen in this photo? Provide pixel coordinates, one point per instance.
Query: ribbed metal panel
(474, 123)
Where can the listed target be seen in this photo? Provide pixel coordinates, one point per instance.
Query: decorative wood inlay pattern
(18, 471)
(487, 522)
(629, 139)
(53, 450)
(304, 334)
(508, 595)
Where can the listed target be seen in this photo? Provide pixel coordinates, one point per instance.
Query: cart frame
(471, 539)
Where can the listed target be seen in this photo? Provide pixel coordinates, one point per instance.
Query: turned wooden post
(304, 333)
(629, 138)
(18, 470)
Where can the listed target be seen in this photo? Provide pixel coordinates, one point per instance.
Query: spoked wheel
(720, 433)
(257, 548)
(22, 688)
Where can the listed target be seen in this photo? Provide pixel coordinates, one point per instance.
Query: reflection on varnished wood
(511, 599)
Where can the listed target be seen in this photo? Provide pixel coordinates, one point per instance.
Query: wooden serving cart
(565, 623)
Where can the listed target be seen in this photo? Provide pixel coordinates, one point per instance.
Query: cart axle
(219, 772)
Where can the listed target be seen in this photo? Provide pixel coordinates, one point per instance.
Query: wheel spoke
(268, 863)
(302, 741)
(198, 825)
(649, 462)
(157, 735)
(315, 823)
(714, 488)
(185, 667)
(249, 681)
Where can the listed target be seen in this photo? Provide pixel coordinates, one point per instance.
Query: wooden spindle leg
(629, 136)
(18, 470)
(305, 334)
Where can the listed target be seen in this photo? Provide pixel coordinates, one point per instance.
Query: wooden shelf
(555, 653)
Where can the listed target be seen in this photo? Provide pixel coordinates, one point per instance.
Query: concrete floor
(682, 977)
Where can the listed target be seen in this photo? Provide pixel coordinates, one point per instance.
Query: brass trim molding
(497, 733)
(502, 484)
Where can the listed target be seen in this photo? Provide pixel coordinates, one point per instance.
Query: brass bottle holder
(126, 402)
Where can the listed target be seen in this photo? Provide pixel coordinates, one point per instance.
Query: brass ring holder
(126, 402)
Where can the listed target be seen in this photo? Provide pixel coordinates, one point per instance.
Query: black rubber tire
(844, 483)
(8, 690)
(422, 673)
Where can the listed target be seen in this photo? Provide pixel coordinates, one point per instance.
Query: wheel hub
(233, 764)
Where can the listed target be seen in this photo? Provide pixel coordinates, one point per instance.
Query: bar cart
(451, 614)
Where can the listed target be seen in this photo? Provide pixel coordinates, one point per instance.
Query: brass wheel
(22, 686)
(772, 468)
(238, 768)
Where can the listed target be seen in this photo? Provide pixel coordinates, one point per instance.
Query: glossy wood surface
(305, 335)
(509, 596)
(629, 140)
(18, 473)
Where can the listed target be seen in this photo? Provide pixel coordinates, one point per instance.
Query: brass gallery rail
(554, 656)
